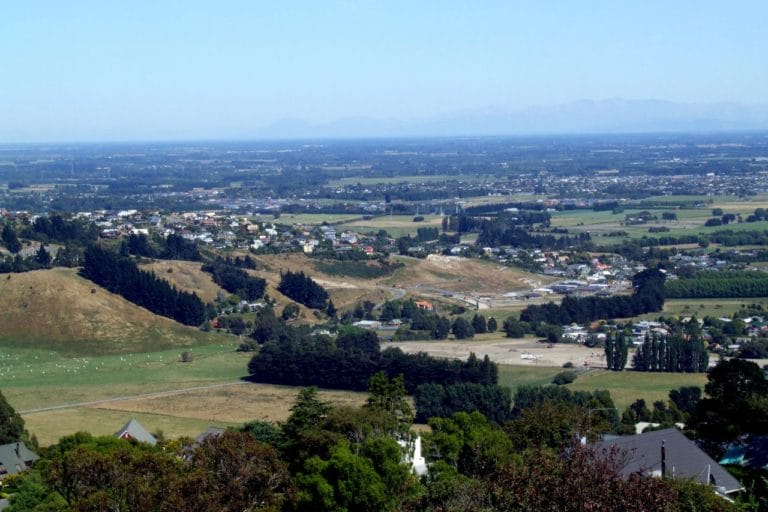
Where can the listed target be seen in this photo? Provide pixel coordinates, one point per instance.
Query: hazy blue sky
(75, 70)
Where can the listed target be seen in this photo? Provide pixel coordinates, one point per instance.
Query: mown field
(628, 386)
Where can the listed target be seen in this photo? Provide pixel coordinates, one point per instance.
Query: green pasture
(514, 376)
(315, 219)
(31, 378)
(627, 386)
(707, 307)
(395, 225)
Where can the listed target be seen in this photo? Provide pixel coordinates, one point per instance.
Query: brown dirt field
(58, 309)
(508, 351)
(187, 276)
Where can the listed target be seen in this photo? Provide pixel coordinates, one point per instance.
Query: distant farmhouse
(134, 431)
(15, 458)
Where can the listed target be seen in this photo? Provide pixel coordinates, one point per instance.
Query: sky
(166, 69)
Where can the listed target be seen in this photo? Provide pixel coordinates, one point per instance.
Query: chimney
(18, 453)
(663, 459)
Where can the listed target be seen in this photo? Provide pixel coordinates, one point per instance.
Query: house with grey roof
(134, 431)
(670, 454)
(15, 458)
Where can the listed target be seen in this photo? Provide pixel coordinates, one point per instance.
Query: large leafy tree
(736, 402)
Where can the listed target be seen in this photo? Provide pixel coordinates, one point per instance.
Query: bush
(563, 378)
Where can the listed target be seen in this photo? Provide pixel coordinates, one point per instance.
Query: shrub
(563, 378)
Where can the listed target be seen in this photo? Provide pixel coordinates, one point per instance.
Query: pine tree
(479, 324)
(609, 351)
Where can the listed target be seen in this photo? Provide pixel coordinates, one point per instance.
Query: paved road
(131, 397)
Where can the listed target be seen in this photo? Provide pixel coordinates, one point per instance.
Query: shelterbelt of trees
(294, 356)
(718, 284)
(648, 297)
(121, 275)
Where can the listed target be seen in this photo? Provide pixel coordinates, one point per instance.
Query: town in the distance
(437, 324)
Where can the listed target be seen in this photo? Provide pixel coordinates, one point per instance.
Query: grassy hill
(60, 311)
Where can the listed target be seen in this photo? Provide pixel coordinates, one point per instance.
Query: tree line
(295, 357)
(681, 351)
(235, 280)
(172, 247)
(716, 284)
(122, 276)
(648, 296)
(303, 289)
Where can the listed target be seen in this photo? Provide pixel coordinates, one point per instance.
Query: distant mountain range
(585, 116)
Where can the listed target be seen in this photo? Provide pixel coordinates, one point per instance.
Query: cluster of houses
(230, 231)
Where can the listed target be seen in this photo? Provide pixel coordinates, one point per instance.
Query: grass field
(703, 307)
(191, 396)
(315, 219)
(690, 221)
(395, 225)
(627, 386)
(514, 376)
(33, 379)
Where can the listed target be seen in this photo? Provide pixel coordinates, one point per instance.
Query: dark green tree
(10, 239)
(479, 324)
(43, 257)
(462, 329)
(11, 423)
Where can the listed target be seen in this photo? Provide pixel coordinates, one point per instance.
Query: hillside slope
(187, 276)
(59, 310)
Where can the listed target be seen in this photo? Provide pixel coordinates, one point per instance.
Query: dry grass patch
(187, 276)
(508, 351)
(58, 310)
(231, 404)
(465, 275)
(50, 426)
